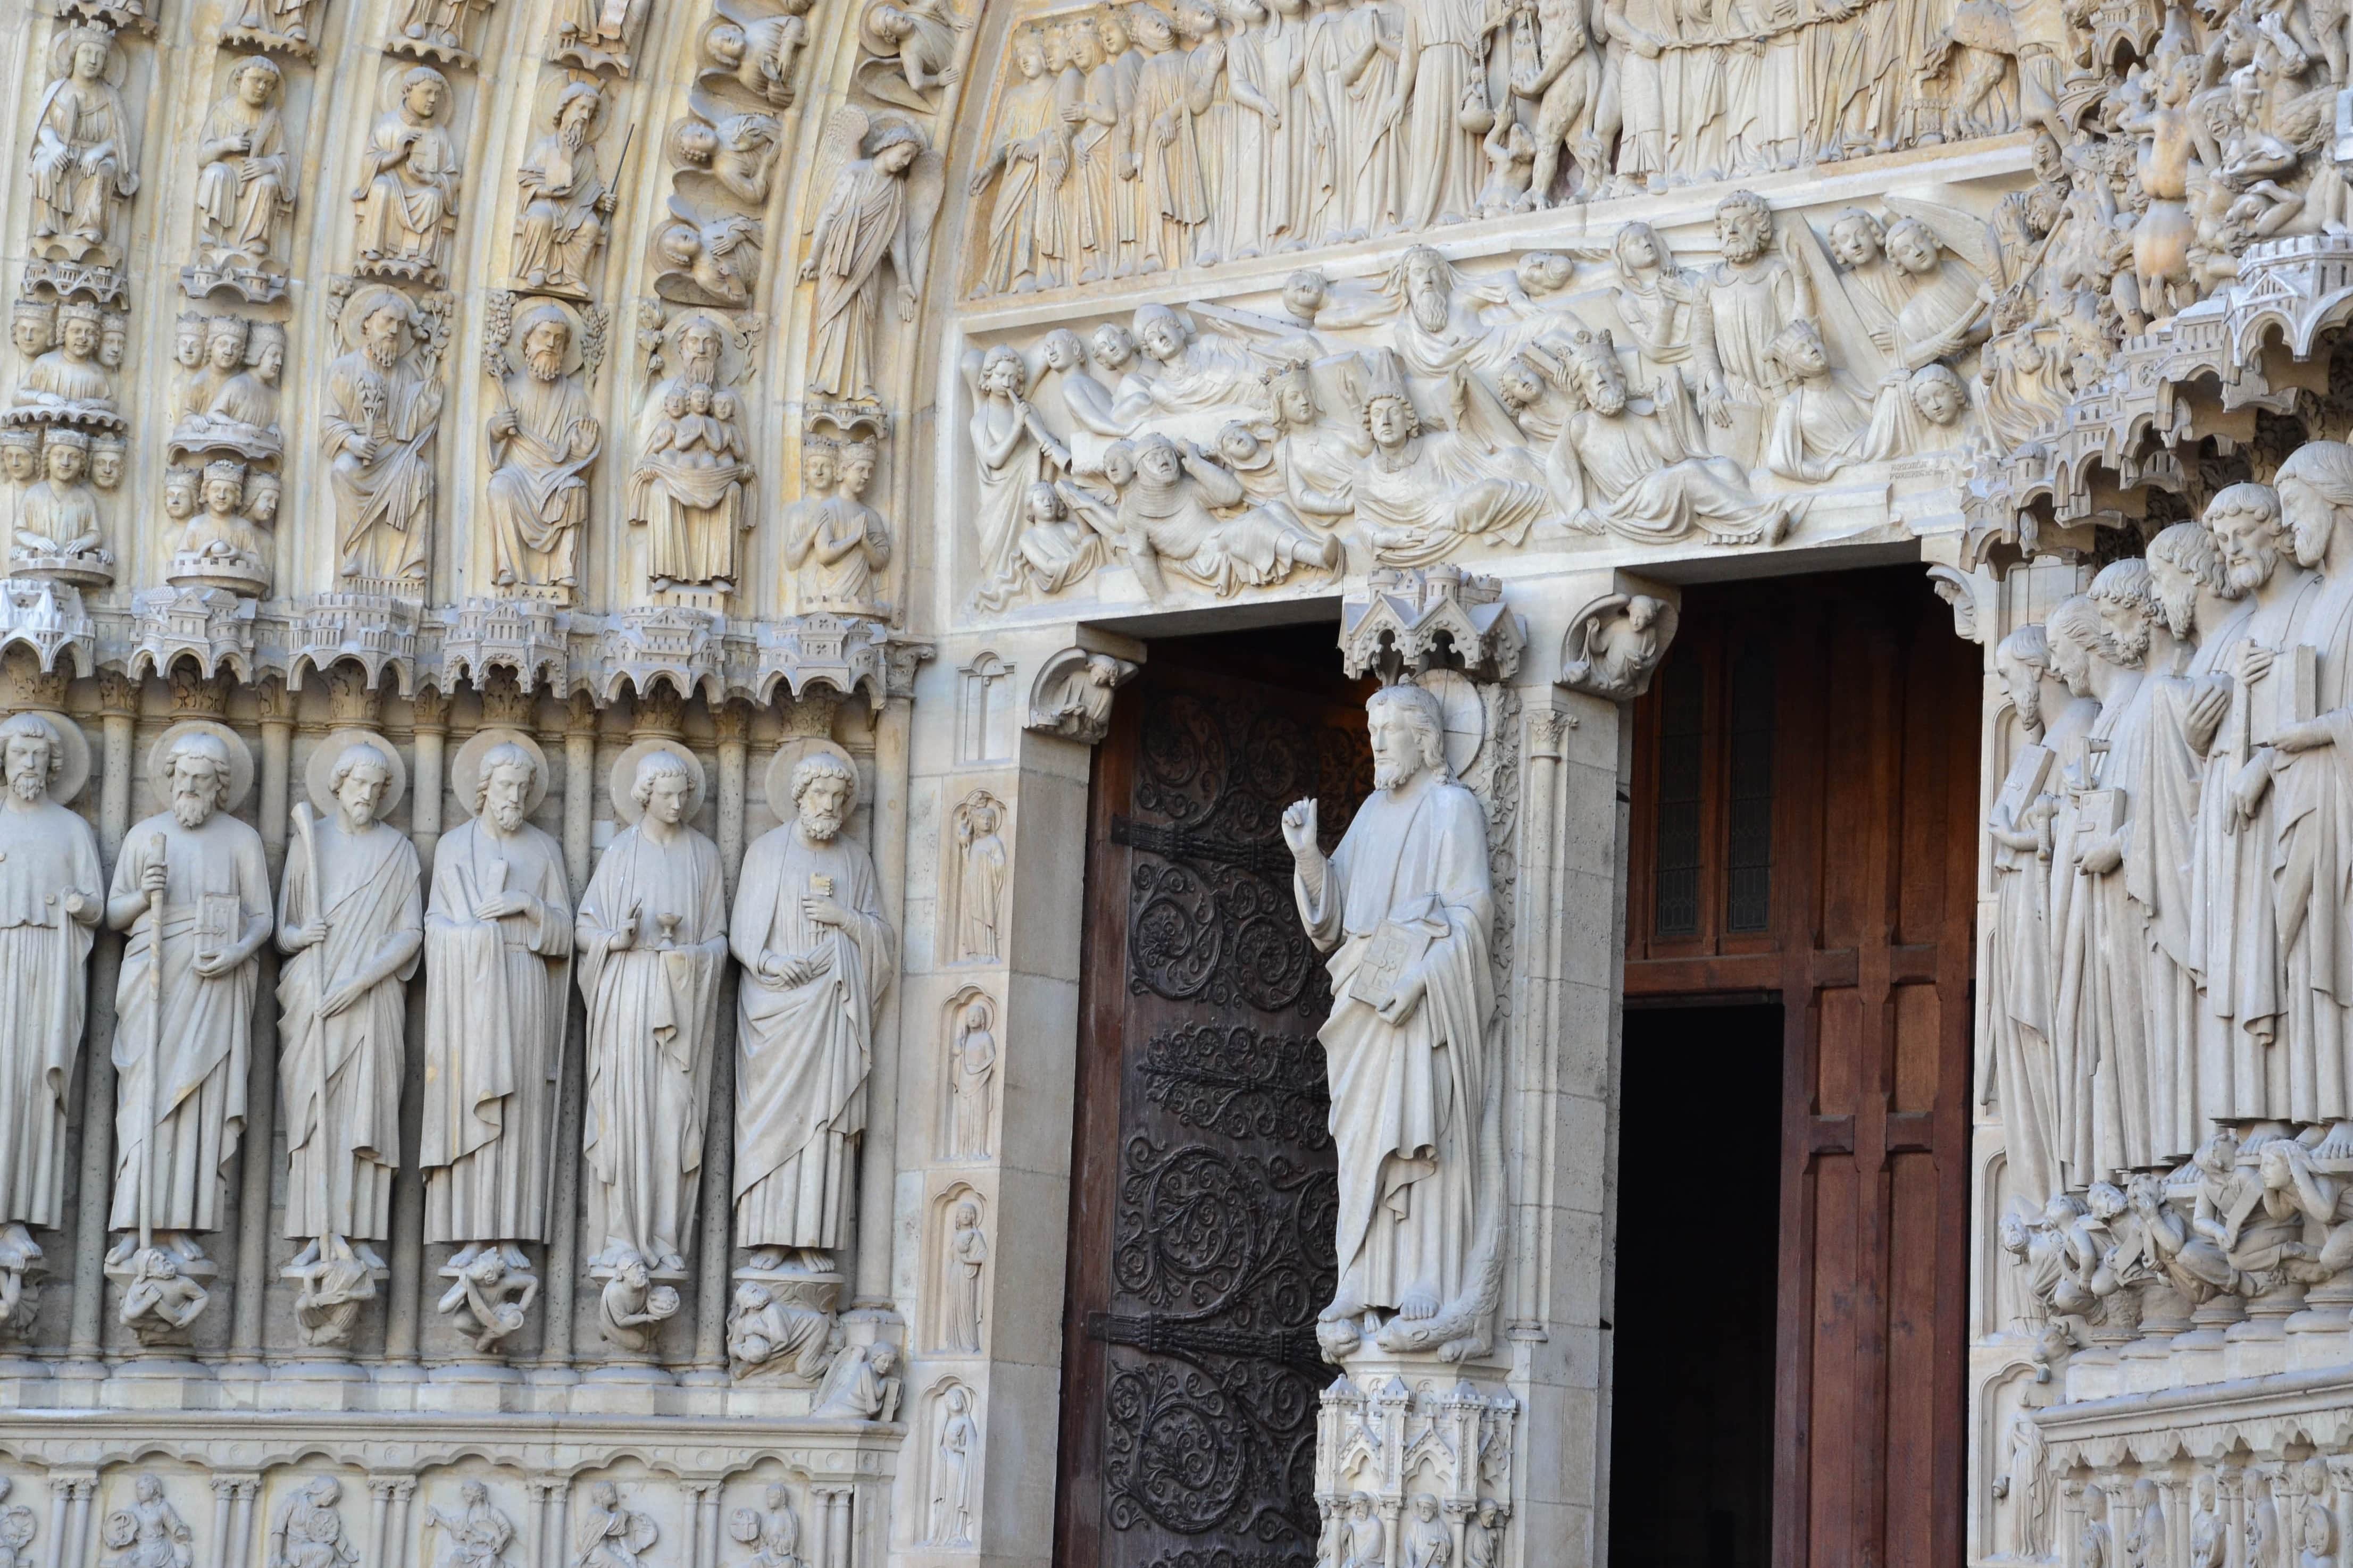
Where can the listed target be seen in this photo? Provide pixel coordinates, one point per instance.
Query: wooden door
(1804, 827)
(1203, 1198)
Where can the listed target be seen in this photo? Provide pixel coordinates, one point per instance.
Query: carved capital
(1615, 643)
(118, 694)
(430, 709)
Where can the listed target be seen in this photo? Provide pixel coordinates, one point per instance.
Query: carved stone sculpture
(979, 886)
(882, 188)
(1405, 906)
(781, 1317)
(192, 891)
(477, 1535)
(546, 439)
(57, 533)
(816, 955)
(407, 201)
(67, 383)
(84, 163)
(246, 180)
(49, 901)
(688, 488)
(379, 427)
(759, 54)
(309, 1530)
(917, 48)
(972, 1068)
(968, 1258)
(863, 1383)
(1615, 643)
(652, 943)
(1074, 692)
(840, 545)
(498, 942)
(771, 1532)
(955, 1449)
(609, 1534)
(231, 405)
(351, 923)
(563, 203)
(598, 35)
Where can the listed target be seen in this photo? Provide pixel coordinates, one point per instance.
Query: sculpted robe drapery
(2241, 1074)
(338, 1076)
(802, 1051)
(82, 149)
(2104, 961)
(653, 1016)
(493, 1036)
(538, 492)
(1406, 1098)
(2313, 880)
(216, 887)
(414, 194)
(237, 212)
(557, 229)
(858, 229)
(2020, 977)
(45, 852)
(384, 504)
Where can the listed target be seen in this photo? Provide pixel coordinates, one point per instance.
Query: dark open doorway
(1694, 1342)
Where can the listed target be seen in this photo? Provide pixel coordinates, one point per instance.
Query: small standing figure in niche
(981, 881)
(1427, 1542)
(951, 1471)
(975, 1072)
(968, 1253)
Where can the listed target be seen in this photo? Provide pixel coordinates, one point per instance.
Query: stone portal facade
(565, 561)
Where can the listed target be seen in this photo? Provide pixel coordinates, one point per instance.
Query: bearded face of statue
(28, 767)
(824, 805)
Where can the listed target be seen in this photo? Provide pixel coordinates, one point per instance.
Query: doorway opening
(1694, 1361)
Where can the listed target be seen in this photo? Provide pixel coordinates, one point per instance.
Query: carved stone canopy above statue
(1415, 620)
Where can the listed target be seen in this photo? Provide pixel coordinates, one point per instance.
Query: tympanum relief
(1587, 398)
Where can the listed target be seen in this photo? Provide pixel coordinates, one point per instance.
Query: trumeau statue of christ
(1405, 906)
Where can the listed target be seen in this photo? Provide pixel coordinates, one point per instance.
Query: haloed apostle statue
(1404, 905)
(652, 947)
(498, 944)
(351, 924)
(816, 956)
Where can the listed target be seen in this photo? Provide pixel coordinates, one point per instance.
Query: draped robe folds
(1370, 153)
(240, 212)
(45, 852)
(2071, 1108)
(802, 1051)
(1024, 123)
(557, 228)
(1442, 161)
(81, 159)
(2313, 880)
(194, 1077)
(338, 1076)
(385, 504)
(414, 193)
(1648, 477)
(494, 1036)
(2157, 874)
(1407, 1099)
(538, 492)
(2103, 967)
(2241, 1073)
(1003, 490)
(692, 503)
(653, 1022)
(1175, 198)
(2020, 991)
(854, 234)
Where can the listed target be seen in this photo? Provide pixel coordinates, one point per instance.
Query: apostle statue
(816, 956)
(1405, 906)
(545, 438)
(563, 203)
(193, 892)
(49, 900)
(406, 203)
(878, 208)
(653, 946)
(382, 418)
(498, 941)
(84, 160)
(351, 924)
(245, 179)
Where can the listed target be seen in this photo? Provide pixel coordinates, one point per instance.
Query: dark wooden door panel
(1867, 940)
(1204, 1202)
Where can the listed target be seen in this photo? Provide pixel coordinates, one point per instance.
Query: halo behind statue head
(621, 784)
(790, 755)
(71, 773)
(364, 303)
(318, 776)
(466, 767)
(240, 761)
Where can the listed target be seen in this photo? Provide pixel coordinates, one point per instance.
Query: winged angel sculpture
(881, 181)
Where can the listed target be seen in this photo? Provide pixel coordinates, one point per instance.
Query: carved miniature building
(902, 782)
